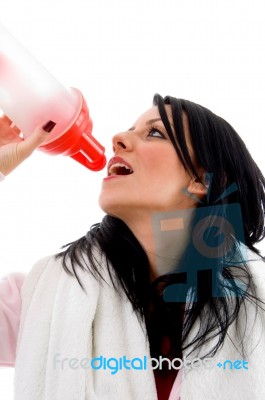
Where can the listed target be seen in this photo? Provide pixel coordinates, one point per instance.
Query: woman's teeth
(120, 169)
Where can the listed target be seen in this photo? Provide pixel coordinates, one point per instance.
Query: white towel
(60, 320)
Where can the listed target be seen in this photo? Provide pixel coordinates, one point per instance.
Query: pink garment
(175, 391)
(10, 309)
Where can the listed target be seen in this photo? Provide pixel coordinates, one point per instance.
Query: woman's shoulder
(39, 268)
(247, 257)
(256, 265)
(50, 269)
(34, 276)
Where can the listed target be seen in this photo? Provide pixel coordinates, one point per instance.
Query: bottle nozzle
(78, 142)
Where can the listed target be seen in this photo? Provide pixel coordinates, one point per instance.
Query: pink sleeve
(10, 308)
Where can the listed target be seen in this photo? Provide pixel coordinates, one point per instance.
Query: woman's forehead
(153, 114)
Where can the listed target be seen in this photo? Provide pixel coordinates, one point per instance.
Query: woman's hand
(13, 149)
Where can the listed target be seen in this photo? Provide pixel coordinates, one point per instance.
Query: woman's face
(145, 175)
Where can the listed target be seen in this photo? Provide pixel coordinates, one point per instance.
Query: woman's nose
(121, 141)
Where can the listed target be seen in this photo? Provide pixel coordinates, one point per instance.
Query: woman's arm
(13, 151)
(10, 310)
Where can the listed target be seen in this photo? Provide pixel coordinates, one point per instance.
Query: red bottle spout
(78, 143)
(91, 153)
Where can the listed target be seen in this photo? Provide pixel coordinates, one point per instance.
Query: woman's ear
(199, 187)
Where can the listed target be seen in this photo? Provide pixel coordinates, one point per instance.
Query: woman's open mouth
(118, 166)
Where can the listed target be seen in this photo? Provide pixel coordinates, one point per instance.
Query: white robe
(60, 322)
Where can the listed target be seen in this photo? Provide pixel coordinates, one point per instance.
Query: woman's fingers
(15, 129)
(6, 119)
(9, 132)
(10, 123)
(27, 146)
(14, 150)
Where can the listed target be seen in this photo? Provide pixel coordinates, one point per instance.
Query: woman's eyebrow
(150, 121)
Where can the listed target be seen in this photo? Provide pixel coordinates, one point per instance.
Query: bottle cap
(78, 142)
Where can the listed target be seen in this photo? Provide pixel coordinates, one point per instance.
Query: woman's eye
(156, 133)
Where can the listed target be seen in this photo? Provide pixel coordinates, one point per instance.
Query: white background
(119, 53)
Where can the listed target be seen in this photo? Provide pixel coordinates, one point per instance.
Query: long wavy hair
(234, 179)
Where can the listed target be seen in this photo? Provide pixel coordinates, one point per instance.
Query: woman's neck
(164, 237)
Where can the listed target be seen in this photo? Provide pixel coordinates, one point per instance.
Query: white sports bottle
(30, 96)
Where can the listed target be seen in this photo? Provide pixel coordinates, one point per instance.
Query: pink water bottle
(30, 96)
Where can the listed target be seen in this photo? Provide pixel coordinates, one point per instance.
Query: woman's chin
(111, 208)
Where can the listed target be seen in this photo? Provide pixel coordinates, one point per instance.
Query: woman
(130, 288)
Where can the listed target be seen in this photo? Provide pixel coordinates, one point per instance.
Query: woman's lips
(109, 177)
(117, 166)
